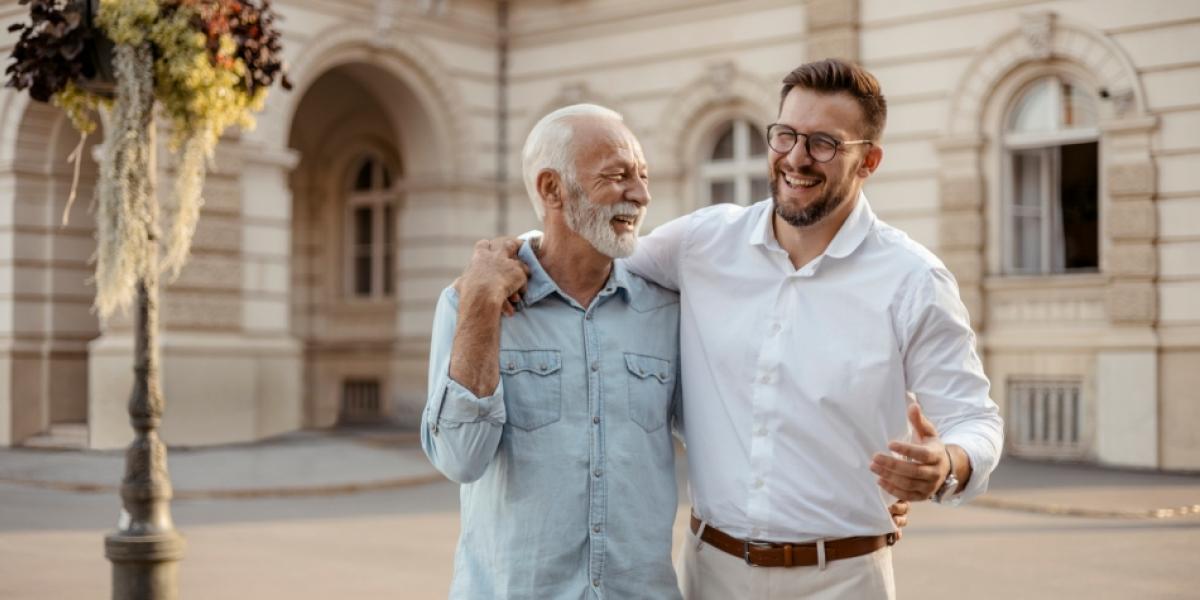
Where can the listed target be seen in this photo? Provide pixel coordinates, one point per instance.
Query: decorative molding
(722, 86)
(405, 58)
(1038, 30)
(1038, 38)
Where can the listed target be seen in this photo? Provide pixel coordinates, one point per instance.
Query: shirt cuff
(460, 405)
(982, 463)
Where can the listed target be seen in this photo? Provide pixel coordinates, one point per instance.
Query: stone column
(1127, 428)
(961, 228)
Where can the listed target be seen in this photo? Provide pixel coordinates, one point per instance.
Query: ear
(871, 161)
(549, 187)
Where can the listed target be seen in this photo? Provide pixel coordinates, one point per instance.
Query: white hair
(549, 147)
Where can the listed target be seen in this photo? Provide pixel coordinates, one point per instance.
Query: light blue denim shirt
(568, 468)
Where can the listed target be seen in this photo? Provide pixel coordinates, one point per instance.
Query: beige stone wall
(420, 80)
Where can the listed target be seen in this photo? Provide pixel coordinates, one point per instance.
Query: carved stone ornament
(1038, 29)
(720, 77)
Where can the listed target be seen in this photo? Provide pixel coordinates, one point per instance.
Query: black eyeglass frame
(808, 141)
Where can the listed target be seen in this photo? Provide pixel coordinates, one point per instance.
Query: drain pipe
(502, 118)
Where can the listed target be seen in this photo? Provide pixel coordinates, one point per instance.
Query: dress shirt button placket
(763, 405)
(597, 495)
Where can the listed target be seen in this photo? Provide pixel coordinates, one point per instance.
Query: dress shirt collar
(847, 240)
(541, 285)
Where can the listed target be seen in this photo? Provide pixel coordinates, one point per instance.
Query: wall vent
(1046, 417)
(361, 401)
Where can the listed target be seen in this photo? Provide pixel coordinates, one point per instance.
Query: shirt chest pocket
(532, 387)
(651, 384)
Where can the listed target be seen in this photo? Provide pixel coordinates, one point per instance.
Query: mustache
(622, 209)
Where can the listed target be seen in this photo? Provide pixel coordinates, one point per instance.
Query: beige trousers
(706, 573)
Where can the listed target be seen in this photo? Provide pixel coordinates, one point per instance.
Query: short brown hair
(832, 76)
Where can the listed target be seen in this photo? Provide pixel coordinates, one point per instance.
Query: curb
(337, 489)
(1095, 513)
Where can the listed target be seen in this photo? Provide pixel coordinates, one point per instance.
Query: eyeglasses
(822, 148)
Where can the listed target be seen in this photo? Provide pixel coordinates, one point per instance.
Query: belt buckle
(746, 544)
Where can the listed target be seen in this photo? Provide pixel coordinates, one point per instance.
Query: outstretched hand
(922, 466)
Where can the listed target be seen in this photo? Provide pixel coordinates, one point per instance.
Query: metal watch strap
(950, 484)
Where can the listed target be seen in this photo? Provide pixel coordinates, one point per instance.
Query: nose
(639, 191)
(798, 156)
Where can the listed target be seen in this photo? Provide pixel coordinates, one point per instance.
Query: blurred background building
(1045, 150)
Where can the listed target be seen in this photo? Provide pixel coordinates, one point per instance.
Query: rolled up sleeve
(459, 430)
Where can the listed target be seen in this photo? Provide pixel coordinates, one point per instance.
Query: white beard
(594, 223)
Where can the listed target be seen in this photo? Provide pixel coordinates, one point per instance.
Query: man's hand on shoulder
(495, 277)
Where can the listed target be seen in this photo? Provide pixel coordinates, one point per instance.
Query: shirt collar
(541, 285)
(854, 230)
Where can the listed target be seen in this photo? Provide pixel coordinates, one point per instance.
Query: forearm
(474, 355)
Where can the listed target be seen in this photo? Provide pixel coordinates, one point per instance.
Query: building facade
(1044, 150)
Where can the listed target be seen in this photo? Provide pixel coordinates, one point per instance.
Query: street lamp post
(146, 549)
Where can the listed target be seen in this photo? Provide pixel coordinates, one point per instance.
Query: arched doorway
(50, 301)
(348, 200)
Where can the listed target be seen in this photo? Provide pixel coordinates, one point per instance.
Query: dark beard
(813, 213)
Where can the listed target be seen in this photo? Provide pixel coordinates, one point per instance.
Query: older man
(557, 420)
(805, 321)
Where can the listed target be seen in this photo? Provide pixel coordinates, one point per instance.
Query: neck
(803, 244)
(578, 269)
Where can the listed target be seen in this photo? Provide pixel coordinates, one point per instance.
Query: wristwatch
(949, 485)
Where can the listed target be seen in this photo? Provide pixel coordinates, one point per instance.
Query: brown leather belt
(769, 554)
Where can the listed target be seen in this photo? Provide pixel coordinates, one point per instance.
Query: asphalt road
(400, 543)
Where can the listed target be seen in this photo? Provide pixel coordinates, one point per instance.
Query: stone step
(61, 435)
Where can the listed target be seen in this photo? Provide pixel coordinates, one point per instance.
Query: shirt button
(765, 379)
(776, 328)
(595, 366)
(761, 431)
(596, 529)
(758, 483)
(595, 420)
(542, 367)
(598, 472)
(595, 583)
(588, 316)
(512, 365)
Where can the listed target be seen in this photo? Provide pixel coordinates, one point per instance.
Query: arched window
(369, 232)
(1051, 208)
(735, 169)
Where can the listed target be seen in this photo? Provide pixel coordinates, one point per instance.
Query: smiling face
(805, 191)
(606, 202)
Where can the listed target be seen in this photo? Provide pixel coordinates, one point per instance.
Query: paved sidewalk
(313, 463)
(305, 463)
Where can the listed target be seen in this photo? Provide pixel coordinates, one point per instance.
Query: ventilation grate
(1045, 417)
(361, 401)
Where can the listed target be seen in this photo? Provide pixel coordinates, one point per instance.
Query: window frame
(382, 202)
(1048, 145)
(742, 169)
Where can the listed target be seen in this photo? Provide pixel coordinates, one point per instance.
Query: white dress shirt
(794, 378)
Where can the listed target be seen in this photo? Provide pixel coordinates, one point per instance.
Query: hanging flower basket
(207, 63)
